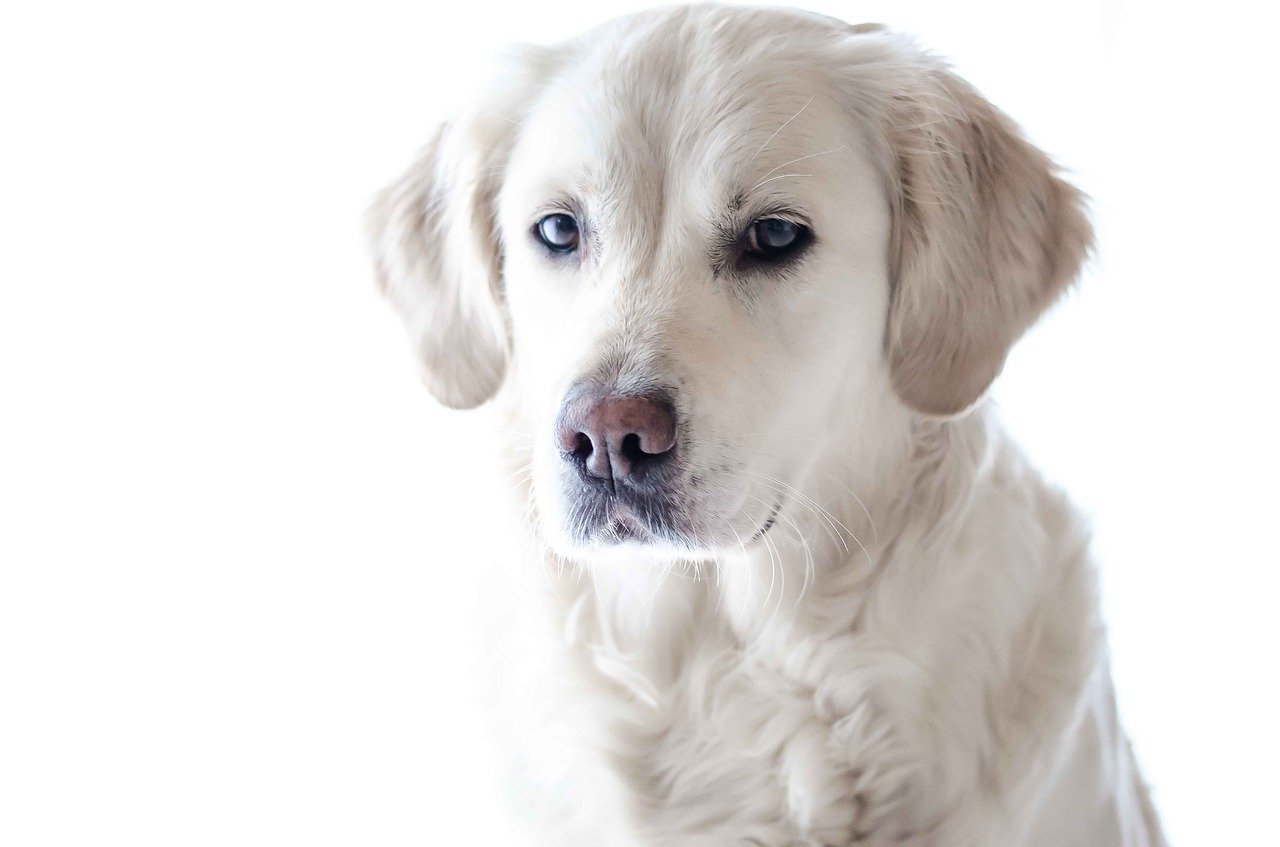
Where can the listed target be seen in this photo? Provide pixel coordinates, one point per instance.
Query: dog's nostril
(582, 447)
(631, 450)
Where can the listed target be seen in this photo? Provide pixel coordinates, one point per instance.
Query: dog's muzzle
(620, 453)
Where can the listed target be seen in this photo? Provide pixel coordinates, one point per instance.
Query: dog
(737, 281)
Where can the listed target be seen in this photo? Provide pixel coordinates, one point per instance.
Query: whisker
(522, 473)
(772, 178)
(828, 515)
(809, 569)
(783, 488)
(780, 129)
(781, 575)
(803, 158)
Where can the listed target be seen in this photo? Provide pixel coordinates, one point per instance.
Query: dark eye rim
(558, 249)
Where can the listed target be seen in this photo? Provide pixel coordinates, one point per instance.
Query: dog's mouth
(769, 521)
(613, 519)
(623, 527)
(618, 520)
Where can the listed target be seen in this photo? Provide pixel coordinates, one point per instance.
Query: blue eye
(558, 232)
(772, 238)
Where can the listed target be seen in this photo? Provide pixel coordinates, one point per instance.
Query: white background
(231, 521)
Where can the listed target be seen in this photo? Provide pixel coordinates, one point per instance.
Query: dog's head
(705, 246)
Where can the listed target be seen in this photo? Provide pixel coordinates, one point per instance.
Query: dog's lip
(769, 521)
(623, 524)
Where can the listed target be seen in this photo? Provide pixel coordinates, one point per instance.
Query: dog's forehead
(666, 115)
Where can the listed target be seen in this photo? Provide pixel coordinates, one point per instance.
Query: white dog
(741, 278)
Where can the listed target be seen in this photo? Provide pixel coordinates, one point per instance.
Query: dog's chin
(616, 527)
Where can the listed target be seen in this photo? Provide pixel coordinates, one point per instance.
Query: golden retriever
(739, 280)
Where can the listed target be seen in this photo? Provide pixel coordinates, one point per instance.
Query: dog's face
(707, 247)
(696, 287)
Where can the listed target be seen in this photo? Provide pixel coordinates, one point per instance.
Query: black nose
(616, 438)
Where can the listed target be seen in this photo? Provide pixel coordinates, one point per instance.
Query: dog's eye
(559, 232)
(773, 238)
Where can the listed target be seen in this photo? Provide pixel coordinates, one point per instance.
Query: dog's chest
(734, 746)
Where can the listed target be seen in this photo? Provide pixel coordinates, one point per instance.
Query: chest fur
(742, 743)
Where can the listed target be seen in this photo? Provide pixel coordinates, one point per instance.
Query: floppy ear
(986, 238)
(435, 239)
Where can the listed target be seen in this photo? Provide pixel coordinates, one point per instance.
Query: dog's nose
(617, 438)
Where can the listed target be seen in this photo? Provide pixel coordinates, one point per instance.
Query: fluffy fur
(863, 618)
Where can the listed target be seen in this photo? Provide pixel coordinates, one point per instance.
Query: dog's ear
(986, 236)
(435, 240)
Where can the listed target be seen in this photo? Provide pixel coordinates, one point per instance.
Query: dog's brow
(792, 162)
(780, 129)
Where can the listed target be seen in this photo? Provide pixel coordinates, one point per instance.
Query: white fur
(913, 653)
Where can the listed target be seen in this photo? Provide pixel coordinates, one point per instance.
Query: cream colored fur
(912, 652)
